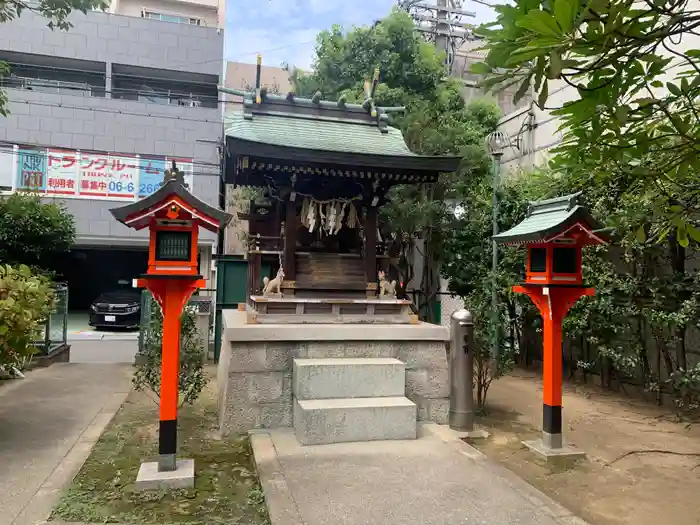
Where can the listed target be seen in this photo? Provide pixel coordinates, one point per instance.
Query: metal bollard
(462, 371)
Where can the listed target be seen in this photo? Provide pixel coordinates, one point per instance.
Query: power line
(272, 49)
(115, 112)
(81, 94)
(209, 99)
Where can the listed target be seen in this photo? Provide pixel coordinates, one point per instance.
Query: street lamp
(496, 143)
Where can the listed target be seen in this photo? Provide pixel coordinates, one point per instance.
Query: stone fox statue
(273, 286)
(386, 288)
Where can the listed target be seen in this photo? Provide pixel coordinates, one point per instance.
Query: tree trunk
(678, 256)
(643, 355)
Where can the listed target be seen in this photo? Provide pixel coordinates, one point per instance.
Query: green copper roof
(547, 218)
(323, 132)
(317, 134)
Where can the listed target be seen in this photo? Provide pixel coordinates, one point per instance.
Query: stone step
(325, 421)
(348, 378)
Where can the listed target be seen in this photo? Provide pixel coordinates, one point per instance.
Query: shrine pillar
(291, 224)
(370, 230)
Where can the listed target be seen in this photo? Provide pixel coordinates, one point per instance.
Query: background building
(98, 113)
(208, 13)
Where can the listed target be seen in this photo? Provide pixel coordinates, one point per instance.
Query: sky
(284, 31)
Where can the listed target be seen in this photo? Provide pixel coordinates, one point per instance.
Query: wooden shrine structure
(325, 168)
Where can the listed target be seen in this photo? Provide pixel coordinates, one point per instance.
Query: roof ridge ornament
(370, 89)
(563, 203)
(175, 175)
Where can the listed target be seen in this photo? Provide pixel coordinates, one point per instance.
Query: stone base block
(324, 421)
(334, 378)
(435, 410)
(538, 447)
(181, 478)
(256, 363)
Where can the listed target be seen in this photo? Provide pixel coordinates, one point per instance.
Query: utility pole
(443, 22)
(442, 31)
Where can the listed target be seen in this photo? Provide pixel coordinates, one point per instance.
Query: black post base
(167, 445)
(551, 419)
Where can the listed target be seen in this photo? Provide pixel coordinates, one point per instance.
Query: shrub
(26, 300)
(33, 232)
(192, 380)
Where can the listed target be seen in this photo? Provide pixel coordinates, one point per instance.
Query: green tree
(436, 121)
(26, 300)
(467, 265)
(191, 380)
(56, 13)
(632, 135)
(634, 118)
(33, 232)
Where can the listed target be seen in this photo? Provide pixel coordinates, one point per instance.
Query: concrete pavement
(49, 422)
(103, 351)
(434, 480)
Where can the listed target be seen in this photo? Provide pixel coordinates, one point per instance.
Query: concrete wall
(110, 125)
(255, 366)
(121, 40)
(240, 75)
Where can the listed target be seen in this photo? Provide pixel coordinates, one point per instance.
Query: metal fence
(55, 329)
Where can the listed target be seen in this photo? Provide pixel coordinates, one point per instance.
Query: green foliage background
(192, 379)
(437, 121)
(26, 299)
(633, 154)
(33, 232)
(631, 143)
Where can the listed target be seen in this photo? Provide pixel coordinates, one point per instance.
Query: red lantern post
(555, 231)
(173, 215)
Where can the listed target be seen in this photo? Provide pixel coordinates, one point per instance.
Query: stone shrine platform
(388, 376)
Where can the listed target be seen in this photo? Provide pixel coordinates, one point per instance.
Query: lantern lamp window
(538, 260)
(565, 260)
(173, 245)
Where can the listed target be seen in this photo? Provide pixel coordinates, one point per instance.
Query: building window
(130, 83)
(171, 18)
(57, 79)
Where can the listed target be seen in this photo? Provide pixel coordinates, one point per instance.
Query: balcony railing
(165, 97)
(47, 86)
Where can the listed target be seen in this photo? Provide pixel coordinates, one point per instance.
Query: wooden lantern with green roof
(325, 168)
(554, 233)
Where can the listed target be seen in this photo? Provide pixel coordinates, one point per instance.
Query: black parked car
(116, 309)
